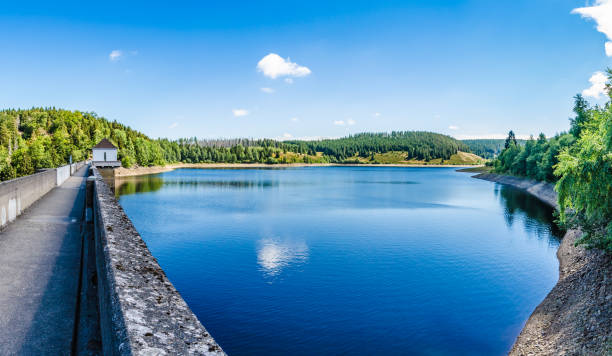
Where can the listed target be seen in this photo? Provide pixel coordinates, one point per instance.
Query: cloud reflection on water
(274, 255)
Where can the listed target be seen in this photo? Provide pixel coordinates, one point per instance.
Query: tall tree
(511, 139)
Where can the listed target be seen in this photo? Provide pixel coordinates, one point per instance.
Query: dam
(77, 277)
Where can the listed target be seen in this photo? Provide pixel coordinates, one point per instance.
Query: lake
(349, 260)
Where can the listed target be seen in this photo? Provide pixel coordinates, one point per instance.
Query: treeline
(253, 151)
(39, 138)
(535, 159)
(415, 145)
(487, 148)
(419, 145)
(580, 162)
(47, 137)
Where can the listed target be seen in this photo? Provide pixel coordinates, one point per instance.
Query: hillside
(417, 145)
(399, 157)
(47, 137)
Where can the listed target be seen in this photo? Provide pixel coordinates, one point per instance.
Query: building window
(104, 156)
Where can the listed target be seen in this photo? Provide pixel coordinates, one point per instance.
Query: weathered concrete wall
(18, 194)
(62, 173)
(141, 313)
(76, 166)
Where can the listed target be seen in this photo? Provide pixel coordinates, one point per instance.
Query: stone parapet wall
(62, 174)
(76, 166)
(141, 313)
(18, 194)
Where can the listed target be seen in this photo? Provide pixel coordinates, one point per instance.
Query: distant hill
(488, 148)
(399, 157)
(416, 145)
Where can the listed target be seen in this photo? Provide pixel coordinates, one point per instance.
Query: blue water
(349, 260)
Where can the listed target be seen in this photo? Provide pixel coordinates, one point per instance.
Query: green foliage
(581, 164)
(418, 145)
(581, 107)
(511, 140)
(585, 183)
(47, 137)
(22, 162)
(488, 148)
(535, 159)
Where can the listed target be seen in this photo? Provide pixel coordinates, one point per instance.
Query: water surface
(348, 260)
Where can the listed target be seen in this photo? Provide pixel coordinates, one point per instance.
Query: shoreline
(139, 171)
(575, 317)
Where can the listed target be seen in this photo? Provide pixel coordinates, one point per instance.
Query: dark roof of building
(104, 144)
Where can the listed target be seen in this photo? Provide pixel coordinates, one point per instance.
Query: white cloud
(348, 122)
(288, 80)
(274, 255)
(274, 66)
(601, 12)
(287, 135)
(115, 55)
(295, 119)
(268, 90)
(453, 127)
(377, 114)
(240, 112)
(174, 124)
(598, 85)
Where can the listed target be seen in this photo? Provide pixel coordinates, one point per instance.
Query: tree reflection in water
(537, 217)
(152, 183)
(142, 184)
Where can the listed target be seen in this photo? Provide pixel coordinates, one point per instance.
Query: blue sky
(464, 68)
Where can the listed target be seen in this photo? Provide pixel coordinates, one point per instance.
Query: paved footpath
(40, 256)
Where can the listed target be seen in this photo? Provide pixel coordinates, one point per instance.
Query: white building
(105, 154)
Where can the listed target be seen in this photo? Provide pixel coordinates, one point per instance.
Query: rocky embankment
(576, 316)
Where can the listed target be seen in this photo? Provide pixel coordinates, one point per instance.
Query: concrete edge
(141, 313)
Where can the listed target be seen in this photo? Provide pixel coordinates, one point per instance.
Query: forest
(40, 138)
(419, 145)
(47, 137)
(579, 163)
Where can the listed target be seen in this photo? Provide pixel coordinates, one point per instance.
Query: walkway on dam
(40, 256)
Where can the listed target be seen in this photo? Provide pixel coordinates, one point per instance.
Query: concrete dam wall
(18, 194)
(141, 313)
(124, 304)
